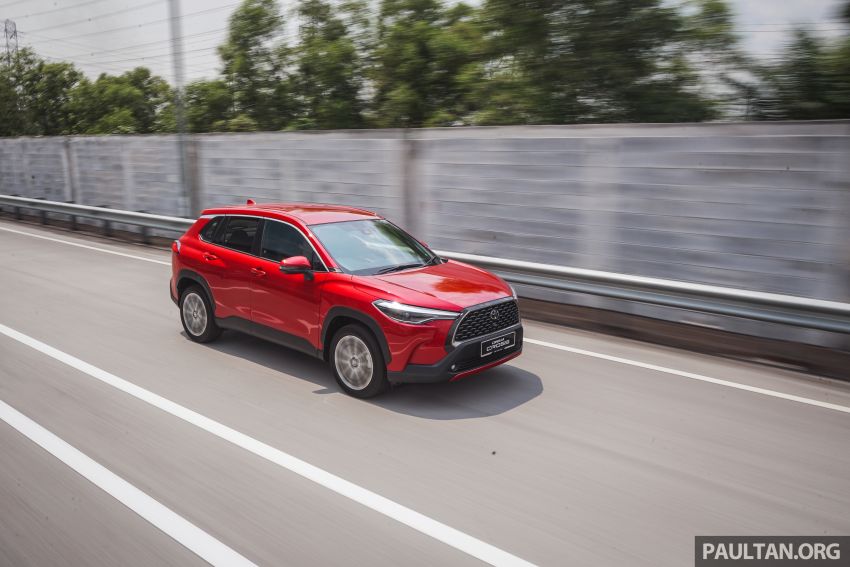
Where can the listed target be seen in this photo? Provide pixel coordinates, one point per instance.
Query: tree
(425, 60)
(130, 103)
(207, 103)
(328, 76)
(590, 60)
(252, 64)
(10, 117)
(49, 101)
(23, 76)
(811, 82)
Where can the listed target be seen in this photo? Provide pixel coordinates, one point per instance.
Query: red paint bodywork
(253, 288)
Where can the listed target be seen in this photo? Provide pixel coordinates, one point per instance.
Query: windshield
(369, 247)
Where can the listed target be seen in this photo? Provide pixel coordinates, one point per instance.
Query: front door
(286, 302)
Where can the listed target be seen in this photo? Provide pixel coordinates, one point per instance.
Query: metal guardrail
(760, 306)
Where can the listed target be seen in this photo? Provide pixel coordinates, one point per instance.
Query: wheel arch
(186, 278)
(338, 317)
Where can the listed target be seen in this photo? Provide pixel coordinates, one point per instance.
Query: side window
(284, 241)
(208, 232)
(239, 233)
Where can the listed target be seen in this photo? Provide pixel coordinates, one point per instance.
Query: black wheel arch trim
(360, 317)
(199, 279)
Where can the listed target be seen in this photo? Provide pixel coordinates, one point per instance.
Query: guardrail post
(144, 232)
(42, 214)
(73, 219)
(107, 225)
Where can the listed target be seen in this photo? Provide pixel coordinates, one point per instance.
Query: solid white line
(437, 530)
(693, 376)
(78, 245)
(173, 525)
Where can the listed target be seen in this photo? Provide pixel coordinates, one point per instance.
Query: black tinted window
(284, 241)
(239, 233)
(208, 232)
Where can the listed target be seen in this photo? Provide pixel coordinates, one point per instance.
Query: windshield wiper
(399, 267)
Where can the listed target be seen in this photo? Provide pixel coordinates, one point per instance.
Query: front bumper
(466, 359)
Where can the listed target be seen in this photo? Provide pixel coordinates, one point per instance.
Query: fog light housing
(454, 367)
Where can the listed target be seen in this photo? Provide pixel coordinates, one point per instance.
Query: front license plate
(490, 346)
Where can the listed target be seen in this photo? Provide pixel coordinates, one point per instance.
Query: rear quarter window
(208, 232)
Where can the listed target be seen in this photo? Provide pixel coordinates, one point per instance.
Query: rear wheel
(358, 363)
(197, 317)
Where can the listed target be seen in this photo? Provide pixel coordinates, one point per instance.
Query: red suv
(345, 285)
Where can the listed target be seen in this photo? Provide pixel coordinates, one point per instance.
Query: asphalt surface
(558, 458)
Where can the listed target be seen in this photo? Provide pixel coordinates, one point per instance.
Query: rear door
(228, 264)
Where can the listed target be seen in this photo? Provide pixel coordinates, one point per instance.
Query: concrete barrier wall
(762, 206)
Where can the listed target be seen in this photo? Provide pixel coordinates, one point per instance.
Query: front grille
(486, 320)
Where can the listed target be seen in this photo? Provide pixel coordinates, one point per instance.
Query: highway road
(124, 443)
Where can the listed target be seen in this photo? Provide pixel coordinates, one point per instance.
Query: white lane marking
(693, 376)
(87, 247)
(437, 530)
(173, 525)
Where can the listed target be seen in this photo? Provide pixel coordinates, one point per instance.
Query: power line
(139, 45)
(88, 48)
(13, 3)
(99, 16)
(135, 26)
(57, 9)
(158, 56)
(118, 70)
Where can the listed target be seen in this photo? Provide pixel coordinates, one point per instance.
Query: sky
(117, 35)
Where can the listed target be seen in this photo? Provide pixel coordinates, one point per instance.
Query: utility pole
(10, 31)
(186, 182)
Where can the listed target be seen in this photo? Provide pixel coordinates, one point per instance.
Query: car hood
(450, 285)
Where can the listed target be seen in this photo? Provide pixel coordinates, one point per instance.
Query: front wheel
(358, 363)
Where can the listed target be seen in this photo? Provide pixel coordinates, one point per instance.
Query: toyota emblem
(494, 314)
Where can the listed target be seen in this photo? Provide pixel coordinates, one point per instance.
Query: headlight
(411, 313)
(513, 290)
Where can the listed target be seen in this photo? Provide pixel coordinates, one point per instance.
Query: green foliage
(592, 61)
(252, 63)
(427, 59)
(328, 69)
(239, 123)
(207, 103)
(811, 82)
(52, 96)
(125, 104)
(415, 63)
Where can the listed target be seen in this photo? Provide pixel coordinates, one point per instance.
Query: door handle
(210, 257)
(258, 272)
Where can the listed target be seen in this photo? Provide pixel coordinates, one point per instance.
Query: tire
(353, 350)
(197, 317)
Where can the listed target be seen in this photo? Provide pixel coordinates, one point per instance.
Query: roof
(308, 213)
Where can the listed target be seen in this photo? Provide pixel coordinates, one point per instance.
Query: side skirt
(267, 333)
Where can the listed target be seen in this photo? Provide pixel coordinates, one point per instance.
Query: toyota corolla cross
(344, 285)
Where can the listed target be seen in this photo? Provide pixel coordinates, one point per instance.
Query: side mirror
(295, 265)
